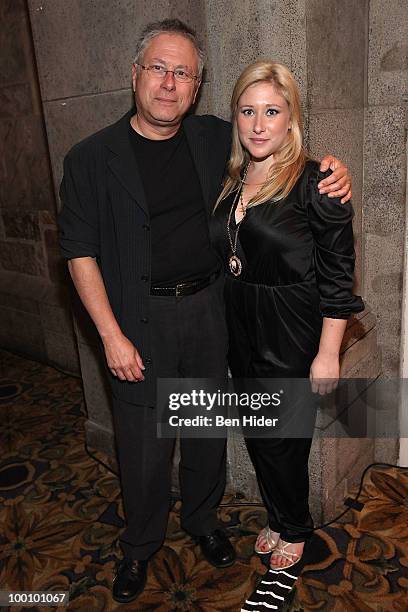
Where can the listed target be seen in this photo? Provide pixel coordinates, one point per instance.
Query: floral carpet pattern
(60, 509)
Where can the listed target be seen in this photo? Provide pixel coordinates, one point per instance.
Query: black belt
(187, 288)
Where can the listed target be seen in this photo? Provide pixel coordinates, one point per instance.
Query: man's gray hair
(168, 26)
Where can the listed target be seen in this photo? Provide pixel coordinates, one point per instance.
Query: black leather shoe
(217, 549)
(129, 581)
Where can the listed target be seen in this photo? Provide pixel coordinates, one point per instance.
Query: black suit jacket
(105, 215)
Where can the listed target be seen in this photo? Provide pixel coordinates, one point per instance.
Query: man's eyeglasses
(159, 71)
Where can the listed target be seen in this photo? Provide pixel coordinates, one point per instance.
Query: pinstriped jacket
(105, 215)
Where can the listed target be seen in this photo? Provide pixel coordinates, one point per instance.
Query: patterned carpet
(59, 522)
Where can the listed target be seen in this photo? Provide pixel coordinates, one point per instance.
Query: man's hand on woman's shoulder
(338, 184)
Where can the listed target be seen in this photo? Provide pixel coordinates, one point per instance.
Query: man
(136, 201)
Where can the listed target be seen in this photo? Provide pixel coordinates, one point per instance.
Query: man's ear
(134, 76)
(196, 91)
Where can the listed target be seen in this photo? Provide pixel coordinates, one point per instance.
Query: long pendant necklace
(234, 262)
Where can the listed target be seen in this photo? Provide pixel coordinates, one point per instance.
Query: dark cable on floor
(349, 501)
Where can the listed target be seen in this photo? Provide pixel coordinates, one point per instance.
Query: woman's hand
(325, 372)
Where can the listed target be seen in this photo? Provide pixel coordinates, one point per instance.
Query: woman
(289, 256)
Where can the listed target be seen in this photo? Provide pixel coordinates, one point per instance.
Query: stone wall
(336, 70)
(33, 290)
(384, 188)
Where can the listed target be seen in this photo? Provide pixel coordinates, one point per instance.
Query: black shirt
(180, 242)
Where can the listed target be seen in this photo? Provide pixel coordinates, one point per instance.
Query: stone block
(21, 332)
(389, 322)
(358, 326)
(328, 459)
(384, 170)
(59, 295)
(297, 38)
(358, 283)
(19, 303)
(384, 260)
(357, 352)
(61, 351)
(340, 132)
(203, 105)
(56, 265)
(391, 360)
(387, 450)
(39, 254)
(96, 388)
(57, 319)
(336, 482)
(316, 501)
(389, 309)
(387, 52)
(370, 367)
(17, 7)
(23, 285)
(33, 294)
(70, 121)
(100, 444)
(253, 30)
(14, 37)
(21, 259)
(24, 165)
(347, 412)
(47, 218)
(241, 473)
(15, 100)
(85, 329)
(352, 456)
(335, 53)
(94, 42)
(51, 238)
(20, 224)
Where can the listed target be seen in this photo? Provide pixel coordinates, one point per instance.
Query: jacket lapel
(123, 162)
(198, 143)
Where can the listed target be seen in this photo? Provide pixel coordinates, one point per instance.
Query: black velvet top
(298, 264)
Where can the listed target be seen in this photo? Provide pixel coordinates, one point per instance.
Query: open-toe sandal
(266, 532)
(292, 557)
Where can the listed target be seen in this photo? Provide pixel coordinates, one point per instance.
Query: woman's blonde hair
(289, 161)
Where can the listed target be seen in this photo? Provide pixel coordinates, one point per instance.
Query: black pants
(281, 467)
(281, 463)
(189, 339)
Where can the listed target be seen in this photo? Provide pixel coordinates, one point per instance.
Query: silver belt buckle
(178, 289)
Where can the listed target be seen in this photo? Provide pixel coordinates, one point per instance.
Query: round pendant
(235, 265)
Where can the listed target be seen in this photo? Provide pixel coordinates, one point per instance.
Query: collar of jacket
(123, 166)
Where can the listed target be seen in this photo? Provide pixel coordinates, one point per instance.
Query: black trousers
(189, 339)
(281, 463)
(281, 467)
